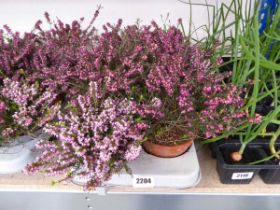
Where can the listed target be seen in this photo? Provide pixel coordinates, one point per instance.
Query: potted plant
(197, 107)
(123, 65)
(63, 60)
(169, 78)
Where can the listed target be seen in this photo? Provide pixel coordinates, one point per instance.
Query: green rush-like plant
(255, 61)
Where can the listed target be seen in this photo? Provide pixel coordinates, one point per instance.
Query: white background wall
(22, 14)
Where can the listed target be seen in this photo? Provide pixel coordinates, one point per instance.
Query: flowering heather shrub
(24, 108)
(139, 55)
(96, 137)
(61, 57)
(64, 59)
(204, 107)
(16, 52)
(177, 84)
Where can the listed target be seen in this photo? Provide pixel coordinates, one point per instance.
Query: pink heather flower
(256, 119)
(208, 134)
(2, 121)
(18, 92)
(156, 102)
(142, 126)
(30, 106)
(3, 106)
(7, 132)
(94, 135)
(24, 95)
(133, 152)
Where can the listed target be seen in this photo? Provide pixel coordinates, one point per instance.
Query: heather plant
(60, 58)
(96, 137)
(205, 106)
(16, 52)
(180, 92)
(24, 109)
(64, 59)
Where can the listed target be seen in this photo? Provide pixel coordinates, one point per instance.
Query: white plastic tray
(19, 153)
(179, 172)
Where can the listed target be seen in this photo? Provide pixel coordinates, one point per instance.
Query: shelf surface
(209, 183)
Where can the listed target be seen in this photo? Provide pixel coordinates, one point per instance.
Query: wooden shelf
(209, 183)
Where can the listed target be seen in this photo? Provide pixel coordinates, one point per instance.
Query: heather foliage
(61, 58)
(181, 94)
(200, 104)
(97, 136)
(24, 108)
(64, 59)
(16, 52)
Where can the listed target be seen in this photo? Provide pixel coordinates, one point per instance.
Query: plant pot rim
(166, 151)
(181, 143)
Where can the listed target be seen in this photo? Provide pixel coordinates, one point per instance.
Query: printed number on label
(244, 175)
(143, 181)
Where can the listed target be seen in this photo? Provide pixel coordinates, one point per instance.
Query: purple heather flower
(94, 135)
(132, 152)
(7, 132)
(30, 106)
(3, 106)
(2, 120)
(18, 92)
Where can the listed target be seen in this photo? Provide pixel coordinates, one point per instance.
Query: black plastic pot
(263, 109)
(243, 173)
(270, 175)
(235, 173)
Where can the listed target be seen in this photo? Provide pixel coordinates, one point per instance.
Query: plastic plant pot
(241, 172)
(270, 175)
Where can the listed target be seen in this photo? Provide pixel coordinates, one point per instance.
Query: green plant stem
(265, 159)
(272, 142)
(257, 66)
(242, 148)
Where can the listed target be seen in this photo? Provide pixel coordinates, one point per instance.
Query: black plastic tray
(230, 173)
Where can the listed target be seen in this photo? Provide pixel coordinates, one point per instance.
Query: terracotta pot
(165, 151)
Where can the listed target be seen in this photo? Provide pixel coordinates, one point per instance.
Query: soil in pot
(247, 157)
